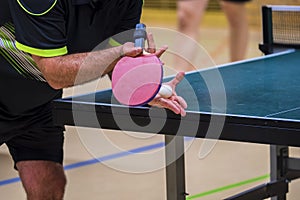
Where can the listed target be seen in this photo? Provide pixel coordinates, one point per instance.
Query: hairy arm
(74, 69)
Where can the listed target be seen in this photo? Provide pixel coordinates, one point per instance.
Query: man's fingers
(128, 49)
(174, 82)
(178, 78)
(180, 108)
(170, 104)
(180, 100)
(136, 51)
(151, 44)
(160, 51)
(152, 47)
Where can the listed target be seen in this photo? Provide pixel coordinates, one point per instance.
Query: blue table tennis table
(254, 101)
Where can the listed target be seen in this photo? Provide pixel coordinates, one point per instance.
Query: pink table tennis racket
(137, 80)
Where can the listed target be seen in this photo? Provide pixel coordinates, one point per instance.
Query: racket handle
(140, 35)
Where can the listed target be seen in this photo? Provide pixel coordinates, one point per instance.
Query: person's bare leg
(189, 16)
(42, 179)
(236, 14)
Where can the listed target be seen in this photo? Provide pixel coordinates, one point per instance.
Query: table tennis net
(286, 25)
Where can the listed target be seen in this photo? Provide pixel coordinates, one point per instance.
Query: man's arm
(68, 70)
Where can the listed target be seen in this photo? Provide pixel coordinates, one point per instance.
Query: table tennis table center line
(281, 112)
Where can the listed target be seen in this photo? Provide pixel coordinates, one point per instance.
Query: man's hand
(128, 48)
(175, 103)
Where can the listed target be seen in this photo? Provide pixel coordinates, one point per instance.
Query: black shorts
(33, 137)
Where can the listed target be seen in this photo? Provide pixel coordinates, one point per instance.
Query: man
(190, 14)
(43, 47)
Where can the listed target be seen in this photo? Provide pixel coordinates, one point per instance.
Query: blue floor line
(9, 181)
(100, 159)
(114, 156)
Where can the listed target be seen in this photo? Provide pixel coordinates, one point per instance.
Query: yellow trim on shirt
(36, 14)
(112, 42)
(42, 52)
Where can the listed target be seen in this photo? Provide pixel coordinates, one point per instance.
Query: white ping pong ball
(165, 91)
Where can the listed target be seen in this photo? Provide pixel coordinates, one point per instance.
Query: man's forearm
(68, 70)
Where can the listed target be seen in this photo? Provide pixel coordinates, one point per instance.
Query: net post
(267, 28)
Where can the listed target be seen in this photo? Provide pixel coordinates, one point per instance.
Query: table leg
(277, 156)
(175, 171)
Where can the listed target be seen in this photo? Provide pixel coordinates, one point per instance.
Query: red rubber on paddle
(136, 81)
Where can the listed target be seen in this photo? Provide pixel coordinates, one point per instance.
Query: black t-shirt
(51, 28)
